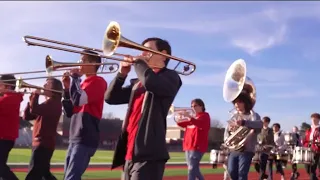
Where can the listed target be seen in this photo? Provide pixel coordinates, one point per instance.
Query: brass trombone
(111, 41)
(20, 84)
(52, 65)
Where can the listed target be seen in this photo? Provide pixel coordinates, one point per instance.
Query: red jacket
(10, 115)
(197, 132)
(316, 137)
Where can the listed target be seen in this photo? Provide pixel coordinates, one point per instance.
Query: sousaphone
(237, 82)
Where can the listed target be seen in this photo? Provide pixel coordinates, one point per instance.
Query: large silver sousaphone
(236, 82)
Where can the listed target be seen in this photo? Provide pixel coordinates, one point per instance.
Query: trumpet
(52, 65)
(177, 113)
(111, 41)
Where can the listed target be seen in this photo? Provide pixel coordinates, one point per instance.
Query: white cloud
(253, 43)
(251, 27)
(251, 31)
(262, 76)
(274, 75)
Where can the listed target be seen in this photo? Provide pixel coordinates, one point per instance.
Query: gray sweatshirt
(254, 123)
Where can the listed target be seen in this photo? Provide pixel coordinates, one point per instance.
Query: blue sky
(278, 40)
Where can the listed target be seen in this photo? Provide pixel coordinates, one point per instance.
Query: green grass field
(101, 156)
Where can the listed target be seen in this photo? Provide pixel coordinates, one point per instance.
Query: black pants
(312, 169)
(5, 172)
(279, 168)
(262, 165)
(294, 168)
(146, 170)
(39, 166)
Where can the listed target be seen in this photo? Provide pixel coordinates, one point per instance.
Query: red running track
(105, 169)
(252, 175)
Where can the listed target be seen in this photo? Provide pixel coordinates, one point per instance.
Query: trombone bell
(52, 65)
(113, 34)
(20, 84)
(113, 39)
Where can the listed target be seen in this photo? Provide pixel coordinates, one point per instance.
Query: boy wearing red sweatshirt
(9, 120)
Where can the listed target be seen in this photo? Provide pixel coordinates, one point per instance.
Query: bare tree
(216, 123)
(108, 115)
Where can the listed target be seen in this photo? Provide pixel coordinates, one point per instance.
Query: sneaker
(265, 176)
(257, 167)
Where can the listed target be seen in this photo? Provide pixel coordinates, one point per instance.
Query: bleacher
(25, 134)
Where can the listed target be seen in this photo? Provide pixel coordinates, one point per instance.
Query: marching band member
(280, 148)
(226, 175)
(142, 148)
(9, 119)
(46, 116)
(266, 138)
(239, 161)
(311, 139)
(195, 142)
(295, 174)
(84, 104)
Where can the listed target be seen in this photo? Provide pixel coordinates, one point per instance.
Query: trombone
(111, 41)
(20, 84)
(52, 65)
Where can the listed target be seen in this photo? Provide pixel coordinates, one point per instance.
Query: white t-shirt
(313, 128)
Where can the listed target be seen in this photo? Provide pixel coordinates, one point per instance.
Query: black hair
(315, 115)
(276, 125)
(92, 58)
(9, 79)
(161, 45)
(200, 103)
(244, 98)
(266, 119)
(56, 85)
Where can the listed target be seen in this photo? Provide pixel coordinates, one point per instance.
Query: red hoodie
(197, 132)
(10, 115)
(316, 137)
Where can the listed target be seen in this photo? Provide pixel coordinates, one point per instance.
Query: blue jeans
(77, 160)
(239, 165)
(193, 161)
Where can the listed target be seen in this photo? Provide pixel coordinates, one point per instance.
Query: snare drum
(302, 155)
(218, 156)
(282, 157)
